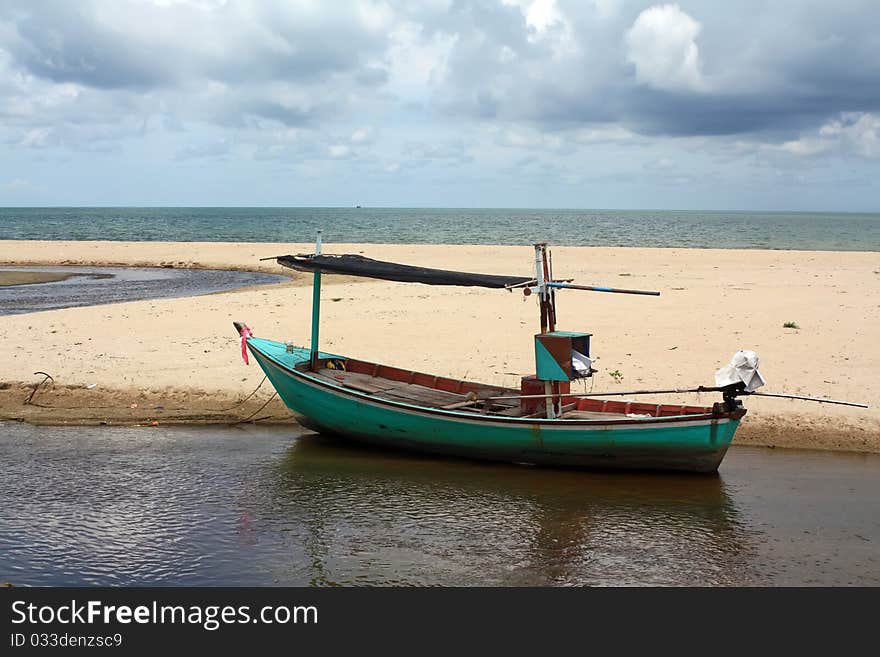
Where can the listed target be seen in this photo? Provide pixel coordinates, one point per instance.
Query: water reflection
(263, 506)
(389, 518)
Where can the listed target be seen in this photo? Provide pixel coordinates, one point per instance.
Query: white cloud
(218, 148)
(38, 138)
(606, 8)
(529, 139)
(607, 133)
(539, 14)
(850, 133)
(660, 164)
(361, 136)
(455, 152)
(416, 59)
(857, 131)
(804, 146)
(338, 151)
(662, 46)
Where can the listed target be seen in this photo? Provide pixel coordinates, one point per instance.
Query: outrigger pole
(596, 288)
(733, 390)
(316, 309)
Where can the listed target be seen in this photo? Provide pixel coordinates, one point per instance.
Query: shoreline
(93, 253)
(72, 405)
(182, 354)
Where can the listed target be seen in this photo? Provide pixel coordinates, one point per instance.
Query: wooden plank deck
(421, 395)
(412, 393)
(591, 415)
(362, 382)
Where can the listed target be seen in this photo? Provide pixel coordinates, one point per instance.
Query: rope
(48, 377)
(247, 419)
(236, 405)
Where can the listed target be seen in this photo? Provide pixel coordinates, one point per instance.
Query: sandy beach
(178, 360)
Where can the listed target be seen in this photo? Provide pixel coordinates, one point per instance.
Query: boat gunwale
(484, 418)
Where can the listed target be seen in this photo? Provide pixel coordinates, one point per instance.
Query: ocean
(646, 228)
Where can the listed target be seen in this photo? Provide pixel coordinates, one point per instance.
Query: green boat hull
(685, 443)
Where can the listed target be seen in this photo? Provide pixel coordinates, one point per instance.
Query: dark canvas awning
(357, 265)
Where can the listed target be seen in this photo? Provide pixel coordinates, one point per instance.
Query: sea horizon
(542, 208)
(730, 229)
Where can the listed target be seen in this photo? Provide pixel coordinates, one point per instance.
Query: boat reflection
(379, 517)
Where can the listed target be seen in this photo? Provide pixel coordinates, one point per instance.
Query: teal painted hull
(688, 443)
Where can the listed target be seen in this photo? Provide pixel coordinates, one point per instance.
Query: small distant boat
(541, 423)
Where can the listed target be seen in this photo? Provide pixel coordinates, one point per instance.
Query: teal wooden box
(553, 354)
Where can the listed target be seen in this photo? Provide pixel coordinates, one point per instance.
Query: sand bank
(9, 278)
(177, 360)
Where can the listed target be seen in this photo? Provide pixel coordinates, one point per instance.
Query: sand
(9, 278)
(178, 360)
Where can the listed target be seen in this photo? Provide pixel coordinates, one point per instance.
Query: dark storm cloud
(657, 112)
(763, 67)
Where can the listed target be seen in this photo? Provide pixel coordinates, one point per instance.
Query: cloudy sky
(698, 104)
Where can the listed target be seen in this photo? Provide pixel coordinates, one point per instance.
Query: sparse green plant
(793, 325)
(616, 375)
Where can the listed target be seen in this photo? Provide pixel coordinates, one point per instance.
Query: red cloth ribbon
(245, 334)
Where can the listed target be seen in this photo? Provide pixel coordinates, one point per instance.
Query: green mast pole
(316, 308)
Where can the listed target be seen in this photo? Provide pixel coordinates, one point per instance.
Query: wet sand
(178, 360)
(10, 278)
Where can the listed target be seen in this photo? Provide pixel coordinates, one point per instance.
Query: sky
(699, 104)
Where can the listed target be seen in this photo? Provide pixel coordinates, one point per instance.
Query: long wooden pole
(685, 390)
(555, 402)
(612, 394)
(597, 288)
(801, 398)
(316, 309)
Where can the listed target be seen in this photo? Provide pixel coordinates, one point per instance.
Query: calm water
(98, 285)
(760, 230)
(264, 506)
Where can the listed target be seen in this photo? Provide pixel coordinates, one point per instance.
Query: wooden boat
(541, 423)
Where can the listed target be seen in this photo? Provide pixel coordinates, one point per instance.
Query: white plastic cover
(742, 367)
(581, 363)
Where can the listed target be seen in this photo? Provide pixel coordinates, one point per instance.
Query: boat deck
(384, 382)
(421, 395)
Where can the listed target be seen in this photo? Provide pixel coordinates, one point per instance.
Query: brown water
(262, 506)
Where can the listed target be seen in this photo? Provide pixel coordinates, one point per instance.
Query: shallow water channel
(89, 286)
(270, 506)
